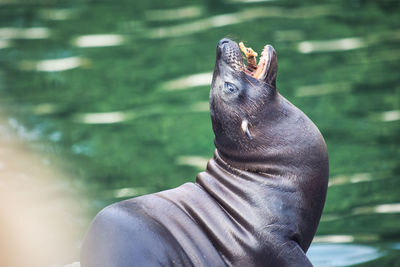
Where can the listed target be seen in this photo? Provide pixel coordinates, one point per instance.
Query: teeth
(263, 64)
(265, 53)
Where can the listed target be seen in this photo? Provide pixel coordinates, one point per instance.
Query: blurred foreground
(42, 214)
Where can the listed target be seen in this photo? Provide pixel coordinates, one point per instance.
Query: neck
(266, 206)
(235, 190)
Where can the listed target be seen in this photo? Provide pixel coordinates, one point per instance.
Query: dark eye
(230, 87)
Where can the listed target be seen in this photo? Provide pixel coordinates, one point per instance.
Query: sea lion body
(258, 203)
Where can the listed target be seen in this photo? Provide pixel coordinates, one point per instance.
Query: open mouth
(242, 58)
(258, 71)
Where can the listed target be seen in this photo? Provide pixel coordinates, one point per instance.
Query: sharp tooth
(265, 52)
(265, 59)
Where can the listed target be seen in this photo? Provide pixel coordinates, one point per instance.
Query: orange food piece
(258, 71)
(251, 56)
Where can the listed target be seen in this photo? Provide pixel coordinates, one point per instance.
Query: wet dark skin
(259, 201)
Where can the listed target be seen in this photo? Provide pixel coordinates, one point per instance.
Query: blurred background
(106, 100)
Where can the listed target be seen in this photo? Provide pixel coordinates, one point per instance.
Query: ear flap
(271, 67)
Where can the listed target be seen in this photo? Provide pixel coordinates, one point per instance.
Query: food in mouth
(250, 55)
(253, 69)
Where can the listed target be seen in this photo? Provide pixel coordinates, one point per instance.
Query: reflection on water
(118, 92)
(323, 89)
(128, 192)
(58, 13)
(246, 15)
(24, 33)
(99, 40)
(389, 208)
(105, 117)
(345, 44)
(354, 178)
(343, 239)
(200, 107)
(382, 208)
(50, 65)
(249, 1)
(45, 108)
(393, 115)
(334, 239)
(4, 43)
(174, 14)
(195, 161)
(288, 35)
(187, 82)
(395, 246)
(332, 255)
(195, 26)
(331, 45)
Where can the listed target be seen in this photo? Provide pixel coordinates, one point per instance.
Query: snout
(229, 52)
(220, 46)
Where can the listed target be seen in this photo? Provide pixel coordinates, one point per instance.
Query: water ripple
(174, 14)
(53, 65)
(24, 33)
(334, 255)
(242, 16)
(331, 45)
(194, 80)
(99, 40)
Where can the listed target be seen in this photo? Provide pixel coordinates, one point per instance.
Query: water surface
(119, 91)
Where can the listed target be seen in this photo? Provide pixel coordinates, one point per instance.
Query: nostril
(223, 41)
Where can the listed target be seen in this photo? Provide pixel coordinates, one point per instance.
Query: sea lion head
(241, 103)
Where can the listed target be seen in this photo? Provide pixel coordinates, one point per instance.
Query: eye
(230, 87)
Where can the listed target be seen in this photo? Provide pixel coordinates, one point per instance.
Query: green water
(127, 117)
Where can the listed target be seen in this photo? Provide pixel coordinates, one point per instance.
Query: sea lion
(259, 201)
